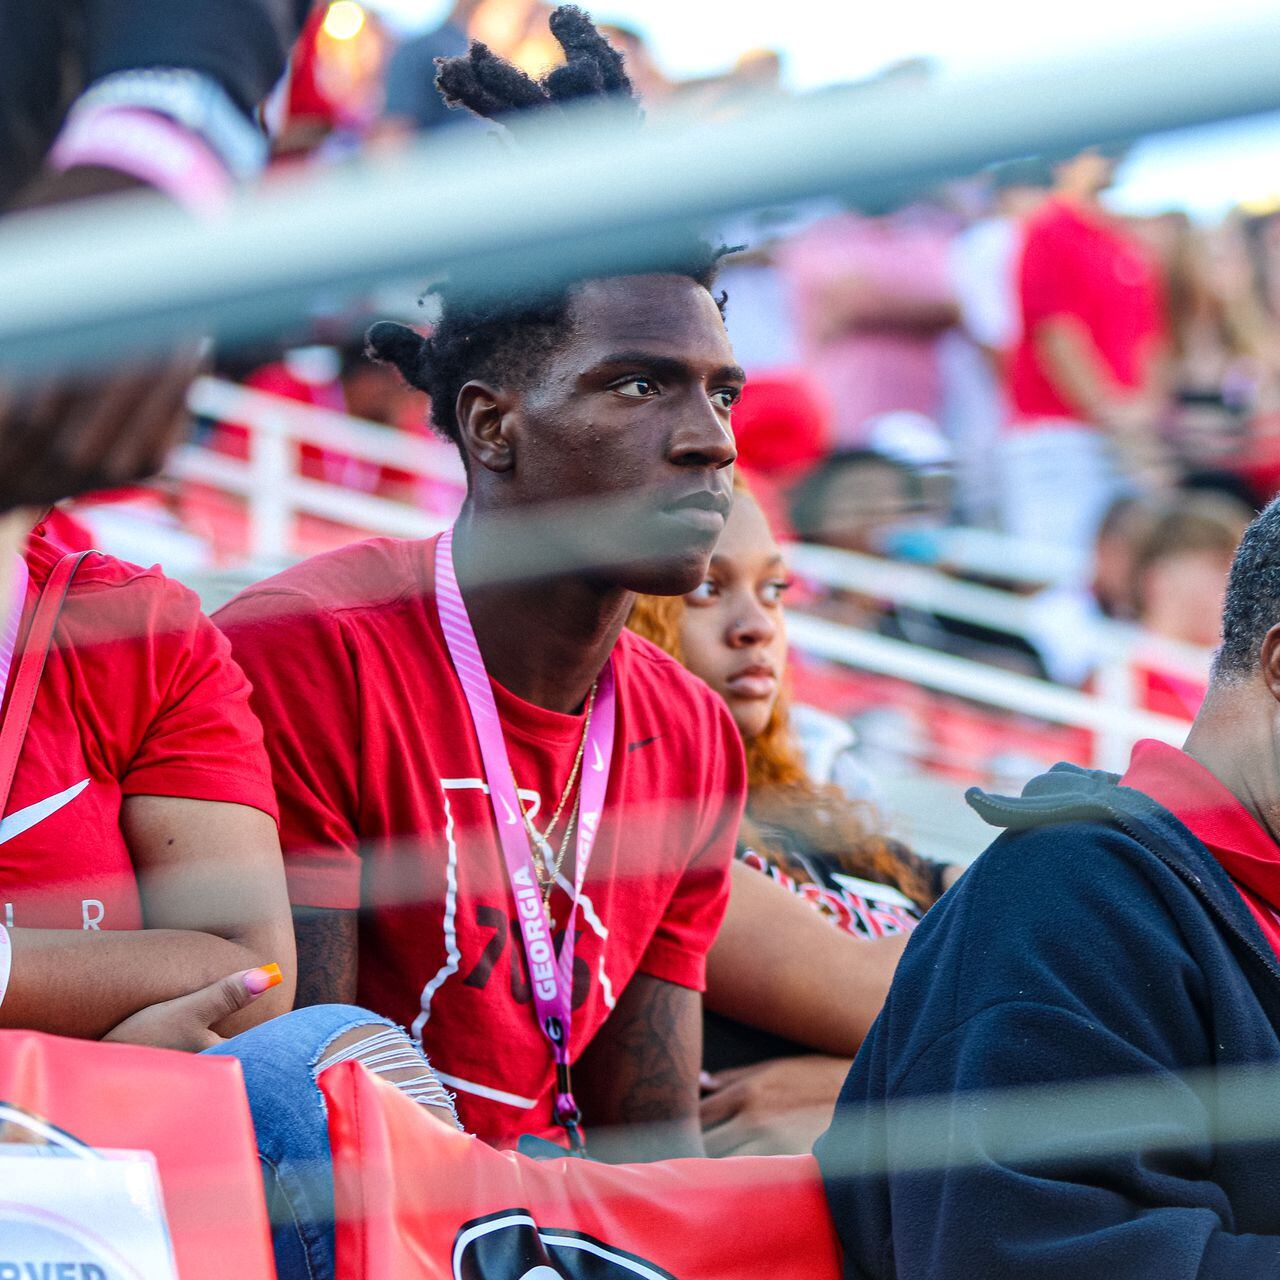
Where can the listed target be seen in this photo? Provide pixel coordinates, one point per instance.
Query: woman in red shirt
(142, 892)
(139, 859)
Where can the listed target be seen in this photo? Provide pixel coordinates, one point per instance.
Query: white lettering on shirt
(92, 913)
(529, 914)
(452, 955)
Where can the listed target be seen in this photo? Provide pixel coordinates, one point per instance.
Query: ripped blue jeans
(281, 1060)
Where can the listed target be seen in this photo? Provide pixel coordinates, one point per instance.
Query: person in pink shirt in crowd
(871, 298)
(1085, 372)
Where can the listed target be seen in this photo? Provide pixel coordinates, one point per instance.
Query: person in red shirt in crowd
(139, 860)
(476, 769)
(1084, 374)
(142, 892)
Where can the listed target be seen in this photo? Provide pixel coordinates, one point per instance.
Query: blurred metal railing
(1012, 612)
(1116, 722)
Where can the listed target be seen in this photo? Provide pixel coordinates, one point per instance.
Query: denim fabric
(279, 1059)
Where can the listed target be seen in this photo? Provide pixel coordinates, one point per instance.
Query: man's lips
(704, 509)
(759, 680)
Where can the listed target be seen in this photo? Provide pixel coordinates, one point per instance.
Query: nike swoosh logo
(24, 819)
(644, 742)
(598, 763)
(511, 818)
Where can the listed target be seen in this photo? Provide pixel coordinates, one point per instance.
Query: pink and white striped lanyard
(9, 636)
(550, 976)
(8, 642)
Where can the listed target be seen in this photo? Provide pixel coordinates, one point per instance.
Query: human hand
(778, 1107)
(184, 1023)
(1127, 417)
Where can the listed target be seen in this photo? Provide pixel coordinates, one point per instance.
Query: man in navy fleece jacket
(1120, 930)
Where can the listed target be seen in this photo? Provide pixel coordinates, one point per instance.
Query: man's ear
(1269, 660)
(486, 421)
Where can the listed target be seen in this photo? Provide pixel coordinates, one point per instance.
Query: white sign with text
(63, 1218)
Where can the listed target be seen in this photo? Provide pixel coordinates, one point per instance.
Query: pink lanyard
(9, 637)
(550, 976)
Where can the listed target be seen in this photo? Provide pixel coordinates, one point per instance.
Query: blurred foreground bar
(85, 285)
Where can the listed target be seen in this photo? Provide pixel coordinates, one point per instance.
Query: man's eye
(639, 388)
(705, 590)
(726, 397)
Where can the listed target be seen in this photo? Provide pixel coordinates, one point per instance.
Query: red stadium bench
(190, 1112)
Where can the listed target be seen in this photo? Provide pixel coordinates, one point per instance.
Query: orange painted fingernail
(263, 978)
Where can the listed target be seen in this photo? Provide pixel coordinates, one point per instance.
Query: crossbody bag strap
(35, 650)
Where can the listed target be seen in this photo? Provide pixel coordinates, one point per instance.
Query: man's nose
(703, 437)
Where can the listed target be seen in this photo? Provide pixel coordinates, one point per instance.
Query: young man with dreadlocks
(508, 823)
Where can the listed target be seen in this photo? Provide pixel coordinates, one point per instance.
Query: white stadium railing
(1114, 720)
(1001, 558)
(1010, 612)
(274, 491)
(275, 494)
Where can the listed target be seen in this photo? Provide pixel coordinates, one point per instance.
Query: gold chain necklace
(548, 882)
(546, 866)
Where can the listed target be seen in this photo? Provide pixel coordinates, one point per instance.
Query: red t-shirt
(139, 696)
(384, 805)
(1218, 820)
(1085, 266)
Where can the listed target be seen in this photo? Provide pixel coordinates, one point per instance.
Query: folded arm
(637, 1082)
(778, 965)
(214, 902)
(328, 955)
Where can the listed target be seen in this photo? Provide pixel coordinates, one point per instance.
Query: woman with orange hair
(789, 997)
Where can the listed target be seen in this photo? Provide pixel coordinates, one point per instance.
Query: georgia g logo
(509, 1245)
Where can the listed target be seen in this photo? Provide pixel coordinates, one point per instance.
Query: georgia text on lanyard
(551, 975)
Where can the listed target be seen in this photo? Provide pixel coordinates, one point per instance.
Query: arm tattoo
(642, 1070)
(652, 1062)
(327, 952)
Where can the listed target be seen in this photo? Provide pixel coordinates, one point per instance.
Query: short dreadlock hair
(513, 337)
